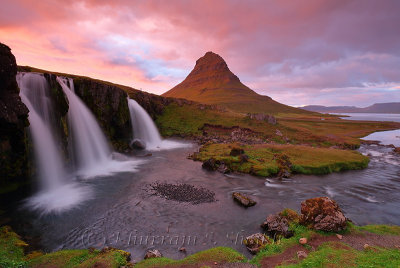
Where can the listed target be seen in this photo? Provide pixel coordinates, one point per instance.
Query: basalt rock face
(14, 164)
(110, 106)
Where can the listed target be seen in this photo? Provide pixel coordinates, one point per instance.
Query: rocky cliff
(14, 163)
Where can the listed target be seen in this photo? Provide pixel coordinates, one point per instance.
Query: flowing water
(145, 130)
(123, 212)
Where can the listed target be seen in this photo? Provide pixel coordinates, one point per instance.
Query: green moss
(11, 249)
(218, 254)
(266, 159)
(381, 229)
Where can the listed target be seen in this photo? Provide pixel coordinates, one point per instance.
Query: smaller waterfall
(145, 130)
(143, 126)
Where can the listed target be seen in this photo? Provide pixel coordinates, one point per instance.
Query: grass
(210, 256)
(11, 249)
(381, 229)
(263, 158)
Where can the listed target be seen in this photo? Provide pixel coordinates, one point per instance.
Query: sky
(298, 52)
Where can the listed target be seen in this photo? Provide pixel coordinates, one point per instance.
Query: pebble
(303, 240)
(301, 254)
(339, 236)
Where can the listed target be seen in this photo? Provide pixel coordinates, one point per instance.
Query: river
(123, 213)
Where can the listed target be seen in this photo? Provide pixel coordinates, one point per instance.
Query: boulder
(138, 144)
(276, 225)
(255, 242)
(263, 117)
(152, 253)
(397, 150)
(236, 152)
(243, 200)
(322, 213)
(210, 164)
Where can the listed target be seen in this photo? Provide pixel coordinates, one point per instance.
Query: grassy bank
(266, 159)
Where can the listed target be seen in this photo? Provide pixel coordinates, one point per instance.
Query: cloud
(311, 52)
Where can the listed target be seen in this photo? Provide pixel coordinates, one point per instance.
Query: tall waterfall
(90, 148)
(143, 126)
(56, 190)
(34, 92)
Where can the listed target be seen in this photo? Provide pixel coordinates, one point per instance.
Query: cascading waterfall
(90, 149)
(56, 191)
(90, 146)
(143, 126)
(145, 130)
(34, 92)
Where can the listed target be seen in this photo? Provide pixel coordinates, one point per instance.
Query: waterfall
(145, 130)
(34, 92)
(90, 148)
(143, 126)
(56, 191)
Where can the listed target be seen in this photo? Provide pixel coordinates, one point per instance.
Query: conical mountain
(211, 82)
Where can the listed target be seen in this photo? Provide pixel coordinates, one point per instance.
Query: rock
(236, 152)
(182, 249)
(243, 158)
(14, 164)
(339, 236)
(152, 253)
(322, 213)
(278, 133)
(210, 164)
(263, 117)
(303, 241)
(243, 200)
(255, 242)
(138, 144)
(301, 254)
(276, 225)
(397, 150)
(366, 246)
(223, 168)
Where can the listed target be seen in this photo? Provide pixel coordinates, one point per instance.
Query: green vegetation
(381, 229)
(209, 256)
(264, 158)
(11, 249)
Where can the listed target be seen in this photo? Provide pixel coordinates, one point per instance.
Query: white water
(57, 193)
(90, 149)
(145, 130)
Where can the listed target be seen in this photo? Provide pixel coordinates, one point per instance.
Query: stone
(224, 169)
(210, 164)
(182, 249)
(339, 236)
(278, 133)
(243, 199)
(138, 144)
(255, 242)
(152, 253)
(303, 241)
(322, 213)
(396, 150)
(236, 152)
(276, 225)
(301, 254)
(263, 117)
(366, 246)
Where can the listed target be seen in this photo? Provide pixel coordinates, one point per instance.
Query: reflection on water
(123, 214)
(371, 116)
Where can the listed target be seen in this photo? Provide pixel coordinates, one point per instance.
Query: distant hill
(211, 82)
(382, 108)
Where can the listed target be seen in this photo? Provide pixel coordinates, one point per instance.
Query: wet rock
(397, 150)
(236, 152)
(303, 241)
(211, 164)
(322, 213)
(301, 254)
(243, 200)
(182, 249)
(255, 242)
(152, 253)
(276, 225)
(138, 144)
(224, 169)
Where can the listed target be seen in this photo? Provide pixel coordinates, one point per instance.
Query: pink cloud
(292, 51)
